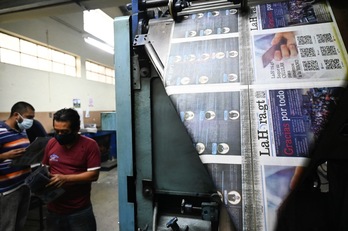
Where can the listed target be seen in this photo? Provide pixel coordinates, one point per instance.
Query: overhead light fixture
(101, 45)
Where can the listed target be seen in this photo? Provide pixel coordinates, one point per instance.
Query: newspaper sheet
(300, 69)
(254, 92)
(286, 122)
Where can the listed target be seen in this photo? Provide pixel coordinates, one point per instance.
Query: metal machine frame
(160, 174)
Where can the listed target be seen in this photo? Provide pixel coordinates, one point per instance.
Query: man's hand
(14, 153)
(57, 180)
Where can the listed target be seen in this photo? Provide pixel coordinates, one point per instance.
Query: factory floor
(104, 200)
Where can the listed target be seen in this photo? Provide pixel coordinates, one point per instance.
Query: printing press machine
(163, 184)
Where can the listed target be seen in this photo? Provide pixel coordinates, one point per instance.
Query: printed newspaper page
(298, 54)
(300, 69)
(254, 92)
(292, 13)
(285, 125)
(204, 81)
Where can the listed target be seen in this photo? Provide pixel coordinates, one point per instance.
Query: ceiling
(22, 9)
(11, 10)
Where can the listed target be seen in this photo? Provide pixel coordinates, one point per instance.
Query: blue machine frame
(124, 120)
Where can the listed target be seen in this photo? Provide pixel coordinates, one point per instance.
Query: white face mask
(25, 124)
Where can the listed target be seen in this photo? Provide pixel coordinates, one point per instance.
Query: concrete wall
(49, 92)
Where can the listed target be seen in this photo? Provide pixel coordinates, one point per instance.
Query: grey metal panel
(159, 34)
(124, 121)
(143, 155)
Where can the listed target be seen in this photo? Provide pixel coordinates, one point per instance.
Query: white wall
(50, 91)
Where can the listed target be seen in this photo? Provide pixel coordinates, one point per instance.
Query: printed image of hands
(278, 47)
(285, 45)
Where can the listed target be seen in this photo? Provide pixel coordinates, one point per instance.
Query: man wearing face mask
(74, 162)
(14, 195)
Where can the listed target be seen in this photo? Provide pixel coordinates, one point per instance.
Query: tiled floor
(104, 200)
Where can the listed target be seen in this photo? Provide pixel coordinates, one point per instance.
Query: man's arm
(12, 154)
(58, 180)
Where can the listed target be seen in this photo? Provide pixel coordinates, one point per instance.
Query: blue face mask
(25, 124)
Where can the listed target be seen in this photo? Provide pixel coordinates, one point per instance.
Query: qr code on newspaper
(325, 38)
(304, 40)
(332, 64)
(328, 50)
(310, 65)
(307, 52)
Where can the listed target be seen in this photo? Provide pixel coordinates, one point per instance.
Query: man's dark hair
(21, 107)
(68, 115)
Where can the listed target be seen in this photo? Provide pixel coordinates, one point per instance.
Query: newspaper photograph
(288, 121)
(292, 13)
(276, 186)
(297, 54)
